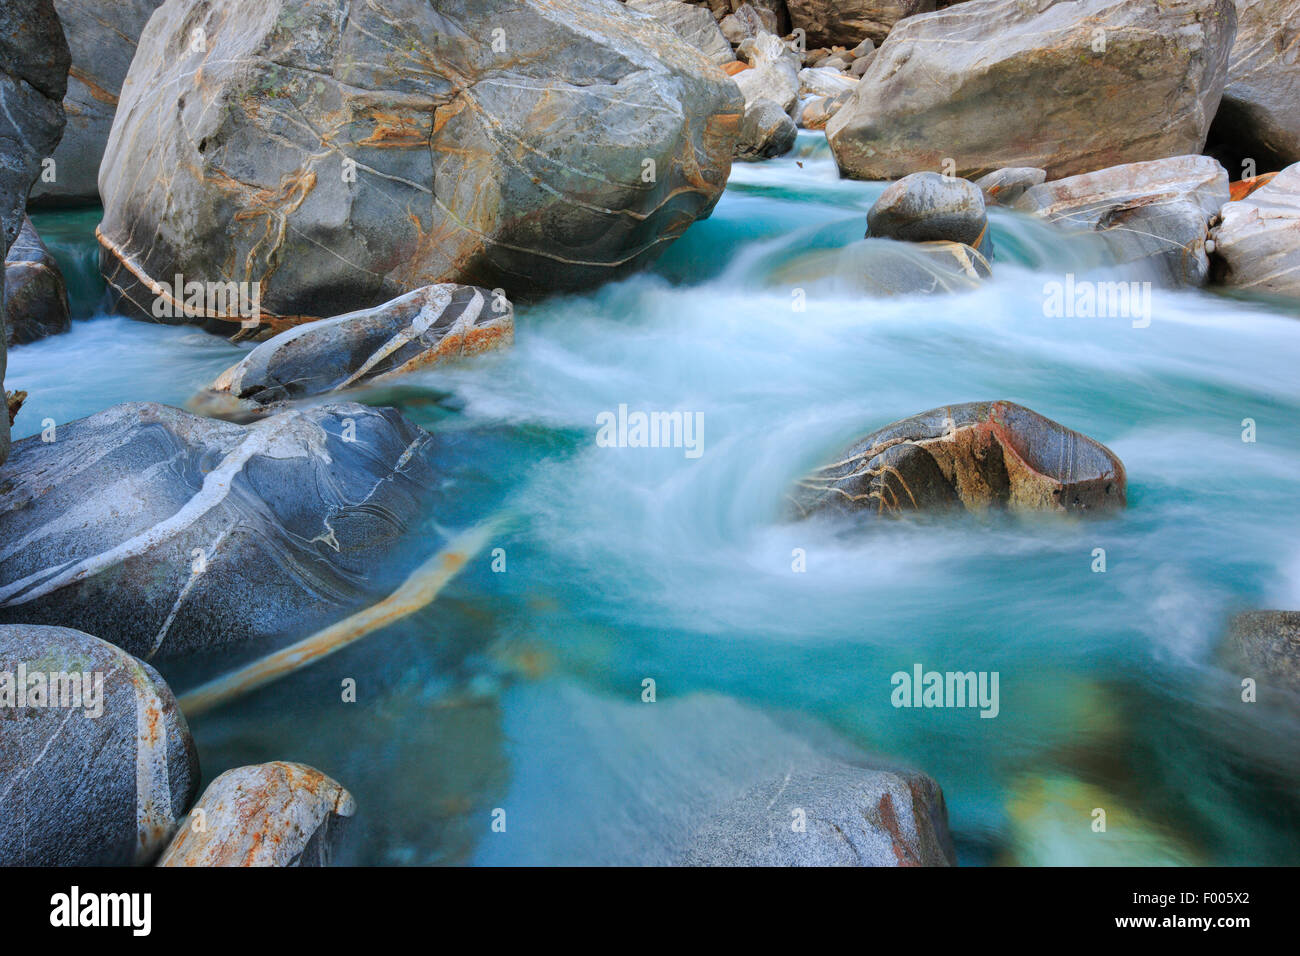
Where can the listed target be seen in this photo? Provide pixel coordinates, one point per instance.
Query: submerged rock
(767, 131)
(432, 325)
(975, 456)
(101, 770)
(271, 814)
(928, 207)
(1158, 211)
(1269, 642)
(342, 155)
(846, 22)
(700, 779)
(1257, 244)
(1005, 186)
(36, 299)
(166, 533)
(1259, 112)
(1065, 86)
(886, 267)
(101, 35)
(693, 24)
(33, 79)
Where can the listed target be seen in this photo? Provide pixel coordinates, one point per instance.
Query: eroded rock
(1257, 243)
(36, 299)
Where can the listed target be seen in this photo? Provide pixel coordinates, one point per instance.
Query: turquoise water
(626, 563)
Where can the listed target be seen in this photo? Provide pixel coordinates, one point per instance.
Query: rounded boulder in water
(766, 132)
(973, 456)
(928, 207)
(1268, 642)
(271, 814)
(96, 761)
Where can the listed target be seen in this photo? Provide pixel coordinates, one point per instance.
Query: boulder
(101, 769)
(270, 814)
(1257, 243)
(693, 24)
(1259, 114)
(878, 267)
(928, 207)
(821, 81)
(166, 533)
(757, 16)
(101, 35)
(775, 73)
(847, 22)
(1157, 212)
(33, 79)
(700, 779)
(1268, 643)
(436, 324)
(772, 13)
(36, 299)
(861, 65)
(975, 456)
(767, 131)
(1069, 86)
(1005, 186)
(340, 156)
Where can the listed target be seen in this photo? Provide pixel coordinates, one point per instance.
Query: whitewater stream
(630, 563)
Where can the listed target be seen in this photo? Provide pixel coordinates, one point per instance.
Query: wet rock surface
(36, 299)
(928, 207)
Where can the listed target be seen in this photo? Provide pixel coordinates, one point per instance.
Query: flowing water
(627, 563)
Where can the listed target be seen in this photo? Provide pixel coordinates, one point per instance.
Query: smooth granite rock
(767, 131)
(1257, 243)
(928, 207)
(693, 24)
(1004, 186)
(36, 299)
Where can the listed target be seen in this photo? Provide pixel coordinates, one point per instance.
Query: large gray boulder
(928, 207)
(342, 155)
(102, 768)
(271, 814)
(427, 327)
(847, 22)
(975, 456)
(33, 78)
(1257, 244)
(693, 24)
(1069, 86)
(1158, 212)
(166, 533)
(36, 298)
(102, 35)
(1259, 111)
(700, 779)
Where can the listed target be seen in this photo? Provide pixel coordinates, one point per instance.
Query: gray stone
(1268, 642)
(821, 81)
(427, 327)
(36, 299)
(880, 267)
(862, 49)
(102, 35)
(988, 84)
(925, 207)
(342, 155)
(974, 456)
(34, 62)
(271, 814)
(862, 64)
(1257, 244)
(693, 24)
(847, 22)
(1005, 186)
(700, 779)
(99, 781)
(1157, 212)
(774, 73)
(767, 131)
(167, 534)
(1259, 111)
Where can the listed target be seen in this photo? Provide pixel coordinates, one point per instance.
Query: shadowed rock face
(988, 84)
(33, 78)
(342, 154)
(848, 22)
(1269, 641)
(272, 814)
(82, 790)
(101, 35)
(1257, 245)
(36, 300)
(1158, 211)
(167, 533)
(1259, 110)
(427, 327)
(973, 456)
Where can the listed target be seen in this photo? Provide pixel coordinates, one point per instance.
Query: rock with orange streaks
(433, 325)
(340, 155)
(1067, 87)
(270, 814)
(974, 456)
(169, 534)
(102, 35)
(1257, 243)
(692, 23)
(96, 762)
